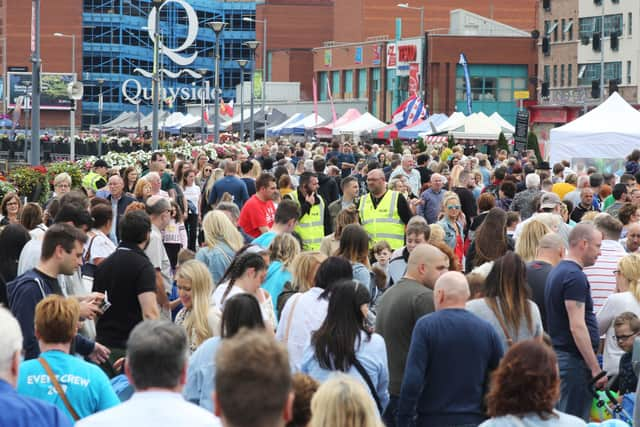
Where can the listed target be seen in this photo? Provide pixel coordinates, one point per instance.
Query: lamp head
(253, 45)
(158, 3)
(58, 35)
(242, 62)
(248, 19)
(217, 26)
(404, 5)
(100, 82)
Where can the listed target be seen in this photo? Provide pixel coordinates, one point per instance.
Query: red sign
(414, 84)
(392, 56)
(407, 53)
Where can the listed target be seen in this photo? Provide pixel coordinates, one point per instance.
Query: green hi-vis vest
(383, 222)
(90, 180)
(311, 226)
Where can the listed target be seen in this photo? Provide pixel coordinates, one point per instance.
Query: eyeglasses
(453, 207)
(624, 337)
(208, 170)
(62, 186)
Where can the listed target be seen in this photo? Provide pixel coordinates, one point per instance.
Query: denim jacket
(450, 231)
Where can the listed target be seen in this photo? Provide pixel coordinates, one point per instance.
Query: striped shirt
(601, 275)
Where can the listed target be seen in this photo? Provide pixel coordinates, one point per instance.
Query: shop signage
(392, 56)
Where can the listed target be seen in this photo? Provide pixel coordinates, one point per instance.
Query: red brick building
(56, 16)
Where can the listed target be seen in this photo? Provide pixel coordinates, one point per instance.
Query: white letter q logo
(192, 33)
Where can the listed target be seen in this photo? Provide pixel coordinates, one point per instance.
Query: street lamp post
(100, 107)
(72, 112)
(203, 92)
(35, 81)
(156, 74)
(242, 63)
(421, 9)
(252, 45)
(264, 68)
(217, 28)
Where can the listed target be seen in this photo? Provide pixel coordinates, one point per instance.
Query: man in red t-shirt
(258, 213)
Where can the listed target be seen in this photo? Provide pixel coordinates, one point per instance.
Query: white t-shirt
(266, 306)
(158, 256)
(101, 246)
(192, 193)
(614, 306)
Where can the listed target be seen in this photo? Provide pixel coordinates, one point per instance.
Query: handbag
(58, 388)
(88, 269)
(363, 373)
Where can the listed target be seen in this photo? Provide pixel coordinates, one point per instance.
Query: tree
(502, 142)
(422, 147)
(451, 141)
(398, 147)
(532, 144)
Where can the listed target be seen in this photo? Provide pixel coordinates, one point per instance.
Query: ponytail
(239, 266)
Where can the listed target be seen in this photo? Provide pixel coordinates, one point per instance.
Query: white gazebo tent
(507, 128)
(477, 127)
(365, 123)
(609, 131)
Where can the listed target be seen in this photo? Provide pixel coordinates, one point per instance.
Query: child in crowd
(382, 253)
(513, 219)
(627, 327)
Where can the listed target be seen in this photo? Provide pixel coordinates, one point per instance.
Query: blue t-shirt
(264, 240)
(86, 386)
(232, 185)
(22, 411)
(565, 282)
(274, 282)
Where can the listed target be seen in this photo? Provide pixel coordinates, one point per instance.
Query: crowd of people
(307, 284)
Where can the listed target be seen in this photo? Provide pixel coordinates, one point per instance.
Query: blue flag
(465, 67)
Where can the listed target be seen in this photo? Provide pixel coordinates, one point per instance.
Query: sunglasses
(453, 207)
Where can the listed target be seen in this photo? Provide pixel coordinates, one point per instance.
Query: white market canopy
(298, 128)
(453, 122)
(365, 123)
(477, 126)
(507, 128)
(275, 130)
(609, 131)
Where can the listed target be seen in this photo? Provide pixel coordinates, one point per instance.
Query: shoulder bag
(58, 388)
(363, 373)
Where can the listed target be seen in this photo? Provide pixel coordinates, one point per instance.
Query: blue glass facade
(116, 41)
(492, 88)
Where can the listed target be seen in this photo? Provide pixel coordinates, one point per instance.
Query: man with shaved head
(451, 356)
(383, 212)
(550, 252)
(400, 308)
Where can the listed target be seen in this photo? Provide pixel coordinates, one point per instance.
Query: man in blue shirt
(451, 355)
(431, 199)
(229, 184)
(571, 322)
(86, 387)
(16, 410)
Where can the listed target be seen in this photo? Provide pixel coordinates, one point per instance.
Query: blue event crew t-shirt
(86, 386)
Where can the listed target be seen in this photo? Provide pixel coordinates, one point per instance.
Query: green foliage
(31, 182)
(451, 142)
(398, 146)
(73, 169)
(532, 144)
(422, 147)
(6, 187)
(502, 142)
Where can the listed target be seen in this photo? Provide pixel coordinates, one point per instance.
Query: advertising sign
(522, 130)
(358, 55)
(327, 57)
(53, 86)
(409, 52)
(257, 84)
(377, 54)
(414, 84)
(392, 56)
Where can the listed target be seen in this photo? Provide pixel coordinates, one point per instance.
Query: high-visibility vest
(90, 180)
(383, 222)
(311, 226)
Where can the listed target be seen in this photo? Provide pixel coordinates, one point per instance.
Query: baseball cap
(549, 201)
(100, 164)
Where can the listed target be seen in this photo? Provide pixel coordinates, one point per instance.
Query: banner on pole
(257, 84)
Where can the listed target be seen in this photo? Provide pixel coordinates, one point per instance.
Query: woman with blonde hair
(194, 289)
(223, 240)
(626, 298)
(453, 224)
(331, 243)
(282, 252)
(142, 190)
(527, 243)
(343, 401)
(303, 271)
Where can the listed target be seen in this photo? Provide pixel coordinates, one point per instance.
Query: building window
(562, 75)
(630, 23)
(569, 74)
(628, 72)
(562, 36)
(569, 30)
(335, 84)
(588, 73)
(547, 73)
(348, 84)
(555, 76)
(555, 30)
(590, 25)
(612, 24)
(547, 26)
(613, 71)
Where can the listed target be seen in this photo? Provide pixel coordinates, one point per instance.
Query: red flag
(315, 98)
(333, 108)
(206, 116)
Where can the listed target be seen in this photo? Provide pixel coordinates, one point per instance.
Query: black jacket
(328, 188)
(125, 200)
